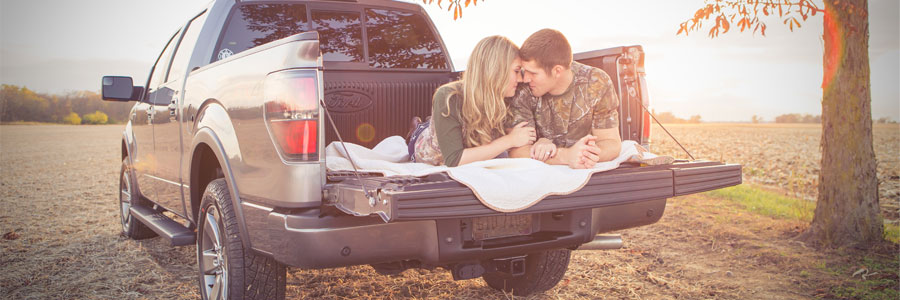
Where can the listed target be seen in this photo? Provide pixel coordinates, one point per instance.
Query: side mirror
(120, 88)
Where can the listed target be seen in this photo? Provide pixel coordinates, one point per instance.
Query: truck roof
(386, 3)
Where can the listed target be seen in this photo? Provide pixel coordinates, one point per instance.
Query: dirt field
(61, 238)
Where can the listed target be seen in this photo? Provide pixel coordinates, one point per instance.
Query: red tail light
(292, 113)
(645, 117)
(646, 135)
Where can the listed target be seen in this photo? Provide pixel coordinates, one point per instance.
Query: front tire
(227, 270)
(128, 197)
(543, 271)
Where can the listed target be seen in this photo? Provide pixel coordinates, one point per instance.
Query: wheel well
(124, 150)
(205, 167)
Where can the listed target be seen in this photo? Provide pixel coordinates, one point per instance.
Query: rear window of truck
(340, 35)
(402, 40)
(256, 24)
(396, 39)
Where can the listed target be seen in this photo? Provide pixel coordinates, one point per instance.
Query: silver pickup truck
(224, 148)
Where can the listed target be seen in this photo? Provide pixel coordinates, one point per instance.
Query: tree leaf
(467, 2)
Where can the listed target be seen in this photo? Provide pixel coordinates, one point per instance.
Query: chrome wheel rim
(212, 258)
(125, 199)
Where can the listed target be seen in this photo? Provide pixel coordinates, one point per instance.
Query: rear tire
(128, 197)
(228, 270)
(543, 271)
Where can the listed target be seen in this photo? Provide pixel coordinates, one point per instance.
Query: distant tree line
(668, 118)
(798, 118)
(84, 107)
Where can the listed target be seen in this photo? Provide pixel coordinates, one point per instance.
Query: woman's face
(513, 78)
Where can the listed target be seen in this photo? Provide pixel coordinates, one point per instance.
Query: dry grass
(62, 241)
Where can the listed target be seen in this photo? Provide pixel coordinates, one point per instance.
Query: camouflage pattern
(427, 149)
(589, 103)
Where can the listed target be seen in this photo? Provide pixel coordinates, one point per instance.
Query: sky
(64, 46)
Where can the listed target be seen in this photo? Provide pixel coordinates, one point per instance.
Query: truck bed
(437, 196)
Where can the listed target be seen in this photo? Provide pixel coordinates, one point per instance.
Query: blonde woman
(467, 116)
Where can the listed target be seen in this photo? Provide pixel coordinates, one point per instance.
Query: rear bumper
(308, 240)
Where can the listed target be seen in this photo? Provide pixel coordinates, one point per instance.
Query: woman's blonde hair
(483, 109)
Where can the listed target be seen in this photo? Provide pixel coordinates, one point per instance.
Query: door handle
(173, 107)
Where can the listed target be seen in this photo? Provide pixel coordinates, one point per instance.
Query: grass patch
(881, 282)
(776, 205)
(892, 233)
(767, 203)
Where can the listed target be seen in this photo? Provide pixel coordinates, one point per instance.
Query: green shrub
(72, 119)
(97, 117)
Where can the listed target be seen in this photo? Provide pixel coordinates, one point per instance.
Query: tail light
(292, 113)
(645, 137)
(645, 116)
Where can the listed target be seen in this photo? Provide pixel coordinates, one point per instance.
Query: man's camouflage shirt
(589, 103)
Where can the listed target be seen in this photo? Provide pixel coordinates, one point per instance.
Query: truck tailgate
(437, 196)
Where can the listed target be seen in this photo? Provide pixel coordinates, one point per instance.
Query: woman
(467, 115)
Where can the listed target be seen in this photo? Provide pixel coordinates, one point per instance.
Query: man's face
(537, 78)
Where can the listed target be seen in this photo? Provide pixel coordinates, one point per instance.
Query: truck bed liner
(437, 196)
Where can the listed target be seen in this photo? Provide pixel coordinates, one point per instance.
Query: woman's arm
(518, 136)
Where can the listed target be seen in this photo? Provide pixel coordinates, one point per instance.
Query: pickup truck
(224, 149)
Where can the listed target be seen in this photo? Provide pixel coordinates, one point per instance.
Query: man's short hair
(548, 47)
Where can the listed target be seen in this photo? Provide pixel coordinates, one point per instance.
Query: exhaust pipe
(603, 242)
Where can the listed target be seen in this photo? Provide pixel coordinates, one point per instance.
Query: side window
(185, 48)
(252, 25)
(340, 35)
(402, 40)
(162, 64)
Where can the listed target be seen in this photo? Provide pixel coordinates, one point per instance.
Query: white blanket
(504, 184)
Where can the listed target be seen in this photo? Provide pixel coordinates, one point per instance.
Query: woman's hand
(520, 136)
(543, 150)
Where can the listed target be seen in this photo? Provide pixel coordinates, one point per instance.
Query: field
(782, 156)
(61, 240)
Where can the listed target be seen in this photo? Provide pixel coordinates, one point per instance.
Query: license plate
(501, 226)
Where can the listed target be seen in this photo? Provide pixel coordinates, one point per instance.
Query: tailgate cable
(667, 131)
(349, 157)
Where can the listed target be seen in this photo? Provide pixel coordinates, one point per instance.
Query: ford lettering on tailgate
(347, 100)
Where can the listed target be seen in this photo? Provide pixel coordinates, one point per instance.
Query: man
(572, 106)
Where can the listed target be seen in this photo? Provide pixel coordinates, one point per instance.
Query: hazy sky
(60, 46)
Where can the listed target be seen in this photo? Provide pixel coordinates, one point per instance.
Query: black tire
(130, 196)
(542, 272)
(234, 272)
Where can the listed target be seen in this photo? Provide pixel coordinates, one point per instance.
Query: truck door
(168, 121)
(144, 155)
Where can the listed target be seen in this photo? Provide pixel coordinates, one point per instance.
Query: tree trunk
(847, 211)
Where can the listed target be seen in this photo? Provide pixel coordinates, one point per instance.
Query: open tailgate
(437, 196)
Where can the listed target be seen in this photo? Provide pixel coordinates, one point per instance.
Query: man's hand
(543, 150)
(583, 154)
